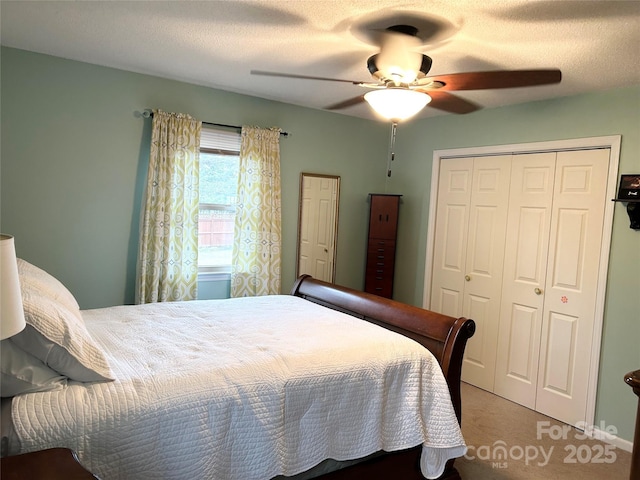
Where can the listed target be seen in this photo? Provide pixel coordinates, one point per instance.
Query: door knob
(467, 278)
(538, 291)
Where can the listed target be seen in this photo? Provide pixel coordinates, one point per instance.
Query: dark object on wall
(381, 246)
(629, 188)
(633, 210)
(633, 380)
(629, 193)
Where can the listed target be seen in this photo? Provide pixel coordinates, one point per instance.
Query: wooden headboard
(446, 337)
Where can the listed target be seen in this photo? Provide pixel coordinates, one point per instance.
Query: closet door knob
(467, 278)
(538, 291)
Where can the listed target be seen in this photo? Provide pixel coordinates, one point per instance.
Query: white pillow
(46, 283)
(23, 373)
(56, 335)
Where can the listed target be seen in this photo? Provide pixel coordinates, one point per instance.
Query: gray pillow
(23, 373)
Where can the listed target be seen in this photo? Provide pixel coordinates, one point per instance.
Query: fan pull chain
(392, 142)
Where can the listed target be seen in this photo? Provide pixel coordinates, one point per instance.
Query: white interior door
(525, 266)
(572, 283)
(316, 228)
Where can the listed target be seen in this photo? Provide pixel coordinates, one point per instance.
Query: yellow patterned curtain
(256, 247)
(168, 255)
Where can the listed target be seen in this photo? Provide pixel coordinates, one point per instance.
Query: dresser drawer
(383, 250)
(381, 264)
(382, 286)
(381, 247)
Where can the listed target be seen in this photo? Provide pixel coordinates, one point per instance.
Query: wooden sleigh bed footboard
(446, 337)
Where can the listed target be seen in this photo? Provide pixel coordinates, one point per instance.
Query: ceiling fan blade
(346, 103)
(303, 77)
(449, 103)
(497, 79)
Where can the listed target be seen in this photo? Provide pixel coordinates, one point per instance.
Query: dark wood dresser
(381, 246)
(633, 380)
(50, 464)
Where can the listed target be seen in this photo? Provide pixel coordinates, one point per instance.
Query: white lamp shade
(397, 103)
(11, 311)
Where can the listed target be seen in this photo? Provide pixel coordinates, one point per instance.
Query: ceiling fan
(400, 74)
(402, 88)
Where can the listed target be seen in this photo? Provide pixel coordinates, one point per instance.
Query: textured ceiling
(596, 44)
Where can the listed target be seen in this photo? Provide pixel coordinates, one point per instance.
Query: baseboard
(598, 434)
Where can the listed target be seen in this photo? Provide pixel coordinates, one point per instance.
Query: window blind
(217, 140)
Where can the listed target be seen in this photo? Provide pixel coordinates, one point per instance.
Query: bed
(297, 386)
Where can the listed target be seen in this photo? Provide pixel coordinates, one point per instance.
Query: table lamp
(11, 311)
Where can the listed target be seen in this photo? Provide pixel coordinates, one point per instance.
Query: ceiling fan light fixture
(397, 104)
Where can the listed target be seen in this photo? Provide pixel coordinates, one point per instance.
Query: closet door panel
(484, 264)
(452, 218)
(571, 287)
(450, 302)
(520, 358)
(529, 223)
(561, 335)
(479, 364)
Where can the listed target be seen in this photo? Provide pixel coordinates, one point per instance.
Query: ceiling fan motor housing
(425, 66)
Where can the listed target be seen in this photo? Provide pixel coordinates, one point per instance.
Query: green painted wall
(74, 155)
(615, 112)
(73, 163)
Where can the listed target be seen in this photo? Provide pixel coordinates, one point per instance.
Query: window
(219, 161)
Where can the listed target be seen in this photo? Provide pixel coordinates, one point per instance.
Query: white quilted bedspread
(243, 389)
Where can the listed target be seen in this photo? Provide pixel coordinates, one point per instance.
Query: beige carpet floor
(533, 446)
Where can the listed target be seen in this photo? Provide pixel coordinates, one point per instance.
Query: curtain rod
(149, 114)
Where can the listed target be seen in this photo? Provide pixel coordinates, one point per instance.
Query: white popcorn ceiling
(596, 44)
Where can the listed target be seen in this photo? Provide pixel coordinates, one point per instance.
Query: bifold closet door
(554, 233)
(468, 256)
(518, 248)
